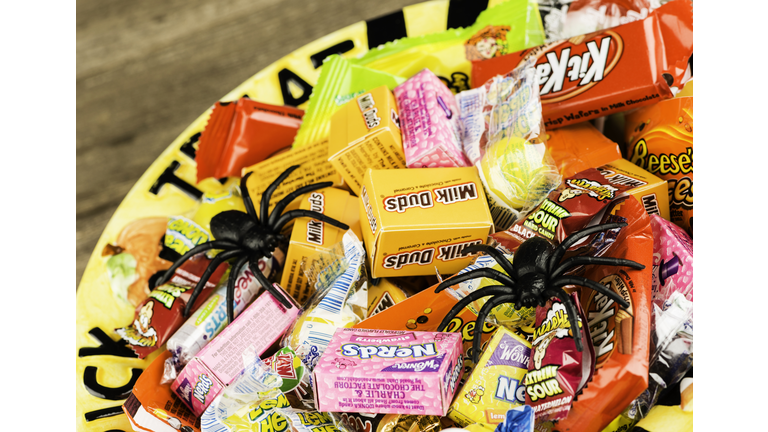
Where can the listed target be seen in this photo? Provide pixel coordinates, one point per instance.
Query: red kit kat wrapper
(601, 73)
(243, 133)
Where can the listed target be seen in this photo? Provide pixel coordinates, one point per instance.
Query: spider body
(248, 238)
(534, 276)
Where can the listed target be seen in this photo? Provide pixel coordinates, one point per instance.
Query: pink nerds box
(672, 260)
(221, 361)
(429, 122)
(388, 372)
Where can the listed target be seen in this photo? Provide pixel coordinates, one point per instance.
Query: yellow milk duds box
(365, 133)
(313, 168)
(650, 190)
(310, 236)
(419, 219)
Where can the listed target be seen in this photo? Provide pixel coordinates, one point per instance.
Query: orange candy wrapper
(660, 140)
(578, 147)
(621, 337)
(152, 405)
(601, 73)
(242, 133)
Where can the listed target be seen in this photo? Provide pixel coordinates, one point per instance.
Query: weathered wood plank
(146, 69)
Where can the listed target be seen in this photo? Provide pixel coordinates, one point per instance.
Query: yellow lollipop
(518, 172)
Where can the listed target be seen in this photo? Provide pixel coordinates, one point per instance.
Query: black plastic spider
(535, 275)
(246, 236)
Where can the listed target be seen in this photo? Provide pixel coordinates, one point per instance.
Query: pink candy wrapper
(221, 361)
(387, 371)
(429, 121)
(672, 261)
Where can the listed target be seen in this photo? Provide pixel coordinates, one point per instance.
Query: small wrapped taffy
(672, 261)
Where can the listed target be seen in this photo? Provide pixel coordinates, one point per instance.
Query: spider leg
(582, 281)
(493, 252)
(215, 244)
(569, 241)
(253, 264)
(271, 189)
(214, 264)
(587, 260)
(233, 275)
(573, 315)
(495, 290)
(280, 206)
(486, 272)
(293, 214)
(247, 197)
(480, 322)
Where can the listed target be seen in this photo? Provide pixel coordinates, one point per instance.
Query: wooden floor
(146, 69)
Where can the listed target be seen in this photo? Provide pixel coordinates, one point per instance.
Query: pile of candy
(507, 249)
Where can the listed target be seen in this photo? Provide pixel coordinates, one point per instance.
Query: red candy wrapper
(242, 133)
(566, 210)
(161, 314)
(557, 370)
(608, 71)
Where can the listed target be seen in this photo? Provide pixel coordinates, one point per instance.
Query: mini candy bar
(310, 236)
(672, 261)
(242, 133)
(621, 337)
(609, 71)
(646, 187)
(314, 168)
(580, 146)
(421, 219)
(220, 362)
(557, 371)
(496, 384)
(161, 314)
(384, 371)
(365, 133)
(429, 119)
(660, 140)
(153, 406)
